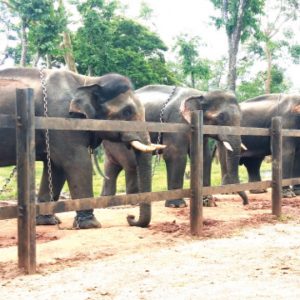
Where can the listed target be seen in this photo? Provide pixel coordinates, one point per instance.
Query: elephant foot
(47, 220)
(296, 191)
(177, 203)
(209, 201)
(86, 222)
(288, 193)
(257, 191)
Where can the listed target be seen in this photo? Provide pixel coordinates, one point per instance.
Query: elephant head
(112, 98)
(220, 108)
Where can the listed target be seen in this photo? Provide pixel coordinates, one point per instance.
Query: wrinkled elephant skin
(258, 112)
(219, 108)
(109, 97)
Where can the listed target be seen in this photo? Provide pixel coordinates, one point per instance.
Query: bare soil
(244, 253)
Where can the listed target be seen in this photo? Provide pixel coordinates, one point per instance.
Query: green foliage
(44, 36)
(295, 53)
(191, 65)
(252, 88)
(250, 22)
(108, 42)
(43, 22)
(278, 82)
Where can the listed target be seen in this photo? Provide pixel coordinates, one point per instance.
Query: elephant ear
(84, 103)
(189, 105)
(296, 109)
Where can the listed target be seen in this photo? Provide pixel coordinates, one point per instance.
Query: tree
(277, 36)
(108, 42)
(249, 88)
(191, 64)
(6, 30)
(239, 18)
(39, 27)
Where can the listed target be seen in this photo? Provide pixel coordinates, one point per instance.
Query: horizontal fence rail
(9, 121)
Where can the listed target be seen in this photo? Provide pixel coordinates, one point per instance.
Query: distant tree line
(104, 40)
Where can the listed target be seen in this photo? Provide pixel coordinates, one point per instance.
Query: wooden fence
(26, 209)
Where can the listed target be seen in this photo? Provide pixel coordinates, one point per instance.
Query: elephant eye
(127, 112)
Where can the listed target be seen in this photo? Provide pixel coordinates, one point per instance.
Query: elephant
(174, 105)
(71, 95)
(258, 112)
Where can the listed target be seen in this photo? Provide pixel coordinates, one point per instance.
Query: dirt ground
(244, 253)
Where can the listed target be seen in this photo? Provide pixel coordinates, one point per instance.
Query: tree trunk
(68, 52)
(232, 53)
(24, 44)
(268, 80)
(193, 79)
(49, 61)
(234, 36)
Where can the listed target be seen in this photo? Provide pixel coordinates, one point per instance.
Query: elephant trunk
(144, 182)
(232, 165)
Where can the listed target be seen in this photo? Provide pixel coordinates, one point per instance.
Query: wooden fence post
(196, 203)
(276, 140)
(25, 136)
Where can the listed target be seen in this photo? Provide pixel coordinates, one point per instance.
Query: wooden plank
(237, 187)
(25, 136)
(7, 121)
(106, 125)
(290, 181)
(276, 146)
(10, 212)
(291, 132)
(211, 129)
(196, 182)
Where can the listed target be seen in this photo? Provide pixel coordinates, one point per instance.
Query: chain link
(8, 180)
(47, 138)
(161, 120)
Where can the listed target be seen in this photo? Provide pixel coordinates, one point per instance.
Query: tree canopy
(104, 39)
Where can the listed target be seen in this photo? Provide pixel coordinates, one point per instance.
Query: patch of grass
(159, 179)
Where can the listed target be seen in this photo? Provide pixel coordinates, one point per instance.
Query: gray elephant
(258, 112)
(174, 105)
(72, 95)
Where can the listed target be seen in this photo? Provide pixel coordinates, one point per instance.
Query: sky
(189, 16)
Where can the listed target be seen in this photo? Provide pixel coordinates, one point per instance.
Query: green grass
(159, 179)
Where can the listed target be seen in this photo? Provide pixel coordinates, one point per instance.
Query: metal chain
(47, 138)
(8, 180)
(161, 120)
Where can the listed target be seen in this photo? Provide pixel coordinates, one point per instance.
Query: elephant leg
(175, 174)
(253, 165)
(296, 172)
(110, 182)
(58, 180)
(132, 186)
(207, 165)
(79, 171)
(288, 159)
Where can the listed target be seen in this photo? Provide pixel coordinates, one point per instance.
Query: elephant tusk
(227, 146)
(158, 146)
(146, 148)
(244, 147)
